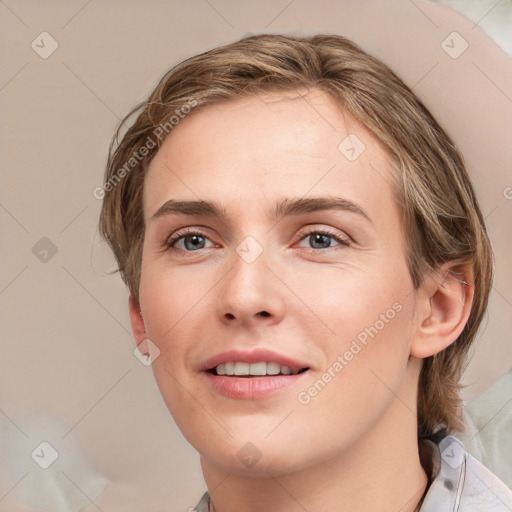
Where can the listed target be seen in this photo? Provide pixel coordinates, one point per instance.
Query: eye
(322, 239)
(191, 240)
(188, 240)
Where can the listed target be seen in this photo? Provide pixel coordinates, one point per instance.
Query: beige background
(68, 375)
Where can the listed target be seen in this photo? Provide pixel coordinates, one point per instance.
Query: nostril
(264, 313)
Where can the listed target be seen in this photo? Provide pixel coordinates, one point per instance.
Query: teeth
(241, 369)
(285, 370)
(256, 369)
(273, 368)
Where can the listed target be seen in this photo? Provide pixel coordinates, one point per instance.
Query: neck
(382, 471)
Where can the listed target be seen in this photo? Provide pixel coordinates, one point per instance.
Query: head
(268, 117)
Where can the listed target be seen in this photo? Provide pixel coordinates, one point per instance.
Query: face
(274, 250)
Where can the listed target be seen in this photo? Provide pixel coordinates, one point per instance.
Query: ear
(137, 323)
(444, 304)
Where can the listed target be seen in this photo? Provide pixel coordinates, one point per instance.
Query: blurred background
(82, 423)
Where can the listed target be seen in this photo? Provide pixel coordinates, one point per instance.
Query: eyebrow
(283, 208)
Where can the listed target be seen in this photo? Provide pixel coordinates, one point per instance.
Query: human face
(307, 288)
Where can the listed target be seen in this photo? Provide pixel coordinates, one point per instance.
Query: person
(308, 267)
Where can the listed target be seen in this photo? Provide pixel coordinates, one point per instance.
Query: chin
(251, 461)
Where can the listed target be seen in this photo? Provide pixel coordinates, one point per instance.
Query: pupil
(320, 238)
(194, 240)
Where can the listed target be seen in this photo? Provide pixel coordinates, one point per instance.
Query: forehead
(250, 151)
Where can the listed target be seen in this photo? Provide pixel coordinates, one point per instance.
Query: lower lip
(251, 388)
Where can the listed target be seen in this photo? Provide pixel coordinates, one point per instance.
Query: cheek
(356, 303)
(371, 322)
(169, 305)
(365, 370)
(173, 307)
(172, 298)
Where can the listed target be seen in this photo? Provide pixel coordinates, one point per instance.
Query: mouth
(254, 370)
(253, 375)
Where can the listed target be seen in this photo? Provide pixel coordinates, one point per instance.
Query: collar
(462, 484)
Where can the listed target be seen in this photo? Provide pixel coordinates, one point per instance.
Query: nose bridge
(250, 291)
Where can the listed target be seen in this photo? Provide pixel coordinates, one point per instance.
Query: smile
(252, 374)
(259, 369)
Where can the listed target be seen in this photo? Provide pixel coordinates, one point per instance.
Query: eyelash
(343, 241)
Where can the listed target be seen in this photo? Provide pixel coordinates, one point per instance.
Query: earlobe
(445, 300)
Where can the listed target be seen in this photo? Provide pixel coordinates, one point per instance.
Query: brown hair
(442, 219)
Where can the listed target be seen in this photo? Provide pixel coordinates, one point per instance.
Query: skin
(353, 447)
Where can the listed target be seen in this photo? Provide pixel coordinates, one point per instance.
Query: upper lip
(252, 356)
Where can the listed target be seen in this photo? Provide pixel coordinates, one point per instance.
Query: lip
(251, 388)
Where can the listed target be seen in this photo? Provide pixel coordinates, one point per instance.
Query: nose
(250, 294)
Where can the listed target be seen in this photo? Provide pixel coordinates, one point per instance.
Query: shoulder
(462, 484)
